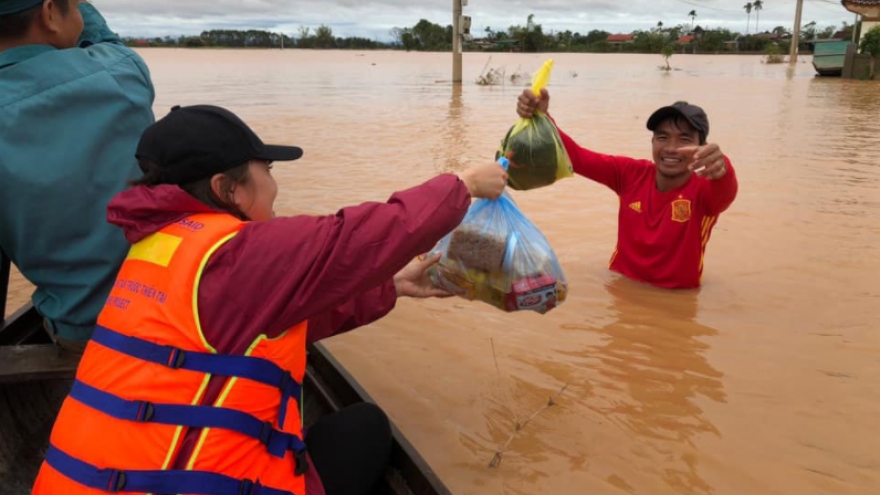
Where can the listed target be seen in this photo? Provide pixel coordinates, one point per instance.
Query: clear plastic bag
(496, 255)
(534, 147)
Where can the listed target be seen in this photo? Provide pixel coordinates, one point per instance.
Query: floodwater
(765, 381)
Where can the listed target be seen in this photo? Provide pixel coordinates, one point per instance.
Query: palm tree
(748, 9)
(758, 5)
(693, 15)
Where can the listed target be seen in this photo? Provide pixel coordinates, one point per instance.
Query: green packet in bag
(533, 146)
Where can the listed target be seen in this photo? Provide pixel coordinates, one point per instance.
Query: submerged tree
(667, 51)
(772, 54)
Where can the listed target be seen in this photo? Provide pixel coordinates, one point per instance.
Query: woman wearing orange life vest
(191, 382)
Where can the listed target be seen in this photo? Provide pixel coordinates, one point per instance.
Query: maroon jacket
(333, 271)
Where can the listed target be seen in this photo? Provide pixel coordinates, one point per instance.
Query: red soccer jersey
(661, 236)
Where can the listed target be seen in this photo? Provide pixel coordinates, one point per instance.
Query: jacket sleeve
(356, 312)
(275, 274)
(95, 29)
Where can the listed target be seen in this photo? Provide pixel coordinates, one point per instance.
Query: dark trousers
(350, 449)
(72, 346)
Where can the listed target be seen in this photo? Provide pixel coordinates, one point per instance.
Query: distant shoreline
(388, 49)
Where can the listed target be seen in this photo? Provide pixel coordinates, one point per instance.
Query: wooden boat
(829, 56)
(35, 378)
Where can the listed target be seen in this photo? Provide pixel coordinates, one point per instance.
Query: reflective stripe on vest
(256, 369)
(114, 480)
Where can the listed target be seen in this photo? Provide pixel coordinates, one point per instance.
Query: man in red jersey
(668, 206)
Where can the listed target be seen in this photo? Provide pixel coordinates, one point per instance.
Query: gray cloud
(374, 18)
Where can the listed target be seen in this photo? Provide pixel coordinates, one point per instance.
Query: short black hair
(13, 26)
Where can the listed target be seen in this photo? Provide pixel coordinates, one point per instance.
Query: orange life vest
(141, 381)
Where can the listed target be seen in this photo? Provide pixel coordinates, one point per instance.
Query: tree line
(321, 37)
(528, 37)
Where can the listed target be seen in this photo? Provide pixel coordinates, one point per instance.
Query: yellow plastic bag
(534, 147)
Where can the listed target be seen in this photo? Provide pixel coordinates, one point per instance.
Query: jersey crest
(681, 210)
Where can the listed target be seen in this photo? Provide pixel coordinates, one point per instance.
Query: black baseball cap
(695, 116)
(196, 142)
(16, 6)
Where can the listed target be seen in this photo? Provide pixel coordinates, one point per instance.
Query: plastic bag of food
(538, 157)
(496, 255)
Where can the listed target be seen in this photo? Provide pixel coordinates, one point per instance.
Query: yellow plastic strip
(156, 248)
(179, 429)
(219, 403)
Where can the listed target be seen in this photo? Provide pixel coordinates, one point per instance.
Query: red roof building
(620, 38)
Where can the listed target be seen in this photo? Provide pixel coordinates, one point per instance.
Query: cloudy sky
(374, 18)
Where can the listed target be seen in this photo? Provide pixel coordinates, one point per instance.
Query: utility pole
(855, 36)
(456, 41)
(795, 39)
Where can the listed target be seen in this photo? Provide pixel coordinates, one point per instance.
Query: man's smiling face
(669, 137)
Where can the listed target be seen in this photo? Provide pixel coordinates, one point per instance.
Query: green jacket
(70, 121)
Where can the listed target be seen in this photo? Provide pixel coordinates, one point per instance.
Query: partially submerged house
(857, 65)
(869, 10)
(687, 43)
